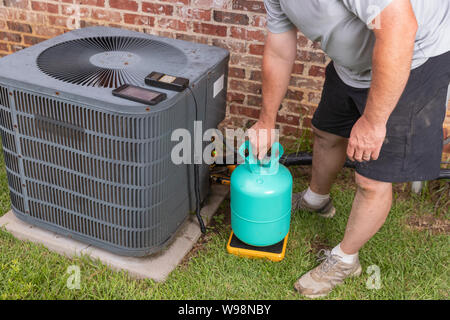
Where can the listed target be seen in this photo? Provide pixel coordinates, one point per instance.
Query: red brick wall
(238, 25)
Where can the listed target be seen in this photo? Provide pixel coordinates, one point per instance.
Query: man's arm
(391, 64)
(278, 59)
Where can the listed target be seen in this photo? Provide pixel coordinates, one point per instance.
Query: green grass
(413, 263)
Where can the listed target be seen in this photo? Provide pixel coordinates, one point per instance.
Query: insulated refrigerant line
(197, 175)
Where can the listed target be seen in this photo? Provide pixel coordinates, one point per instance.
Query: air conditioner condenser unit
(86, 164)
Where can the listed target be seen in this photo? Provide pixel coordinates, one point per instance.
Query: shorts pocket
(432, 113)
(394, 145)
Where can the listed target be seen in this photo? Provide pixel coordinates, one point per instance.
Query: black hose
(197, 177)
(305, 159)
(444, 174)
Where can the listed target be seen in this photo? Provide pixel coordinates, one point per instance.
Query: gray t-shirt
(342, 27)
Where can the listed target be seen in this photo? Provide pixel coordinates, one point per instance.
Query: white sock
(315, 199)
(346, 258)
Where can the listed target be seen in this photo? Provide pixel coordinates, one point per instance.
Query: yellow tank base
(274, 252)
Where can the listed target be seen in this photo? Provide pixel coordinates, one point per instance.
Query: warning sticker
(218, 86)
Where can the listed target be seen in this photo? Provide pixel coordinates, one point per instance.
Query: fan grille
(107, 62)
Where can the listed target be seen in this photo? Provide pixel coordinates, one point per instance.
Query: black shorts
(412, 150)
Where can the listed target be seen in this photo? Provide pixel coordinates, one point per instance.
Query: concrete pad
(157, 266)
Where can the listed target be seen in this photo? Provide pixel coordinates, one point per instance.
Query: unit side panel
(102, 177)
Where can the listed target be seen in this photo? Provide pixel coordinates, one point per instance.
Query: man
(383, 105)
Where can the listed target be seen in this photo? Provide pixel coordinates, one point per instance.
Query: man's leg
(370, 208)
(329, 155)
(369, 211)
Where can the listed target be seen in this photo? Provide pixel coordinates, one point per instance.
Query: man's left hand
(366, 140)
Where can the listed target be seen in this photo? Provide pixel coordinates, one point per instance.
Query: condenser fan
(107, 62)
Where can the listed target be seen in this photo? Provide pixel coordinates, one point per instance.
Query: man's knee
(368, 185)
(326, 139)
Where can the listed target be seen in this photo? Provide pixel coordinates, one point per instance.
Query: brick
(22, 4)
(258, 21)
(245, 111)
(309, 56)
(230, 44)
(19, 27)
(231, 17)
(254, 100)
(211, 29)
(307, 122)
(288, 119)
(194, 13)
(173, 24)
(30, 40)
(156, 8)
(59, 21)
(292, 107)
(164, 33)
(106, 15)
(290, 131)
(255, 75)
(85, 24)
(245, 86)
(43, 6)
(235, 97)
(47, 31)
(192, 38)
(95, 3)
(246, 60)
(235, 122)
(178, 1)
(245, 5)
(317, 71)
(73, 12)
(314, 45)
(294, 95)
(15, 47)
(306, 83)
(5, 14)
(31, 17)
(10, 36)
(446, 148)
(257, 49)
(298, 68)
(314, 97)
(236, 72)
(220, 4)
(307, 110)
(247, 34)
(129, 5)
(137, 19)
(302, 41)
(251, 122)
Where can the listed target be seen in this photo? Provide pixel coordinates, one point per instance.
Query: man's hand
(365, 140)
(261, 137)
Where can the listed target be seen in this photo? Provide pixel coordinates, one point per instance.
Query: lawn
(411, 251)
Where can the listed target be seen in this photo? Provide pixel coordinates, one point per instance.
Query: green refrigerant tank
(261, 195)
